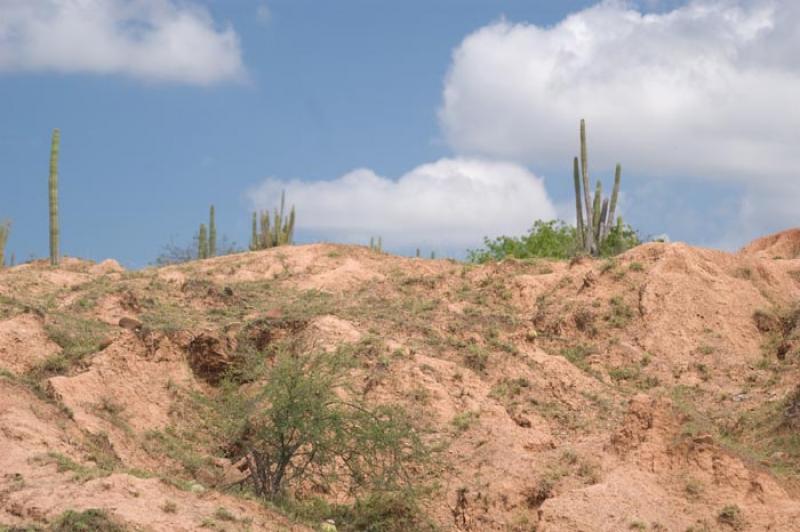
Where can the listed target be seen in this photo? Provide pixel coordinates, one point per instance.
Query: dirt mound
(783, 245)
(46, 470)
(652, 391)
(128, 390)
(24, 343)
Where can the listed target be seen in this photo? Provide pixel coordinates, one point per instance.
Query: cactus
(598, 195)
(202, 243)
(212, 233)
(5, 229)
(614, 195)
(581, 234)
(254, 234)
(417, 252)
(600, 212)
(53, 193)
(376, 244)
(589, 245)
(279, 232)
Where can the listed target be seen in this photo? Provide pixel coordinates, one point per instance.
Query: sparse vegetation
(78, 337)
(463, 421)
(91, 520)
(304, 426)
(731, 515)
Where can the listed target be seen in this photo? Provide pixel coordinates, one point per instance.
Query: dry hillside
(654, 391)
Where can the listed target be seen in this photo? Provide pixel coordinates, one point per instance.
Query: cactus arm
(614, 196)
(580, 231)
(596, 205)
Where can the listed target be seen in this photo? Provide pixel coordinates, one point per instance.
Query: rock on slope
(646, 392)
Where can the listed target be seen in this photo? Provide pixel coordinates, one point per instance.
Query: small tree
(173, 253)
(304, 427)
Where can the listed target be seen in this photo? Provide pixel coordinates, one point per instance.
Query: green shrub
(553, 239)
(731, 515)
(304, 426)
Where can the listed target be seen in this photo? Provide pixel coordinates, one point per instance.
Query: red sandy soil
(648, 392)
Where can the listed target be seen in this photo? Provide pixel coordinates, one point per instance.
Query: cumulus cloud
(450, 203)
(708, 89)
(153, 40)
(705, 91)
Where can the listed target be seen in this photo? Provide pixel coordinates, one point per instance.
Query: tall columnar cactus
(254, 234)
(5, 229)
(202, 242)
(589, 245)
(212, 233)
(600, 212)
(53, 193)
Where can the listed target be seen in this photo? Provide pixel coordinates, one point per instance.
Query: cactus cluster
(598, 224)
(376, 244)
(280, 232)
(53, 189)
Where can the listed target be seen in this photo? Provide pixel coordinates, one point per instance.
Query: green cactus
(279, 232)
(53, 193)
(600, 212)
(614, 195)
(596, 205)
(5, 229)
(581, 232)
(212, 233)
(254, 234)
(202, 243)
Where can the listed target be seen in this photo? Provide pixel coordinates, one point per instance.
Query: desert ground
(658, 390)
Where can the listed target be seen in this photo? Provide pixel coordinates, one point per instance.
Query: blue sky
(431, 123)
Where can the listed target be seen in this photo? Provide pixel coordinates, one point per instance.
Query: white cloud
(450, 203)
(708, 89)
(153, 40)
